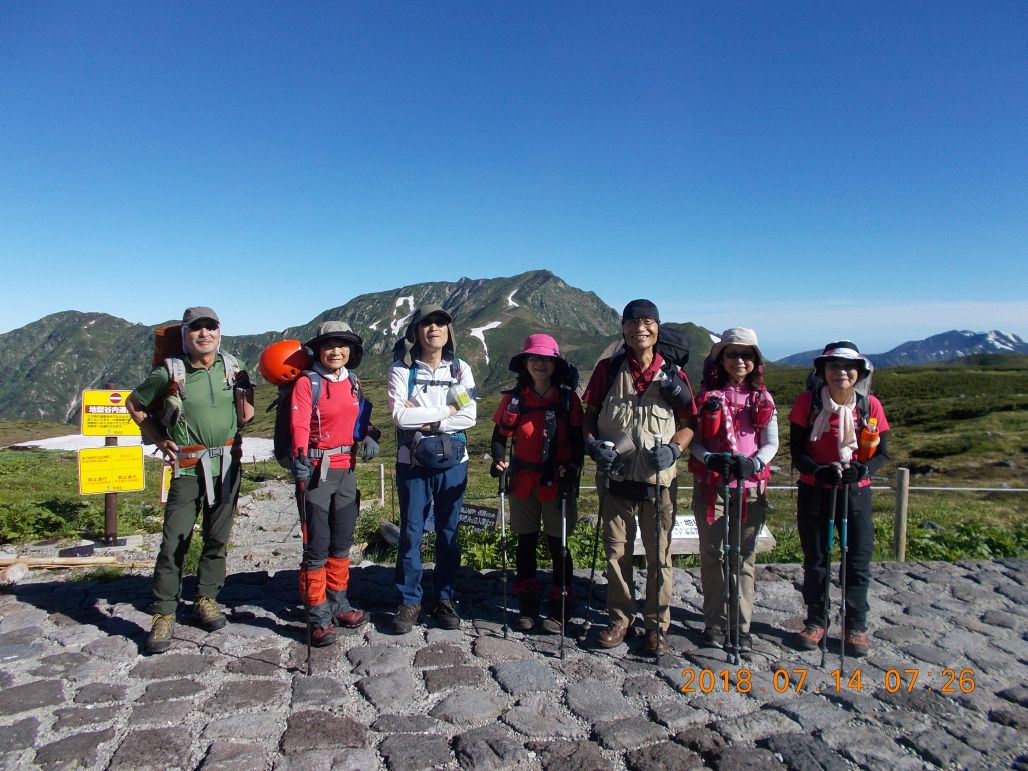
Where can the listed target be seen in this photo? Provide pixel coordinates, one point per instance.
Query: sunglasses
(204, 324)
(438, 321)
(744, 355)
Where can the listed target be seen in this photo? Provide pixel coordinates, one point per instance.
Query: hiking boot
(810, 637)
(528, 611)
(656, 643)
(444, 614)
(406, 617)
(351, 619)
(712, 638)
(857, 643)
(553, 622)
(323, 636)
(159, 639)
(745, 642)
(208, 615)
(613, 635)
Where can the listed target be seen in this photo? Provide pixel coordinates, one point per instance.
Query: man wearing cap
(202, 399)
(638, 421)
(324, 440)
(432, 401)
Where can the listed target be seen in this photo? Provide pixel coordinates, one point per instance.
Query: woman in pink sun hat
(542, 416)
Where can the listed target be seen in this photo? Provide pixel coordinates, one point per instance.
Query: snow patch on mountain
(479, 332)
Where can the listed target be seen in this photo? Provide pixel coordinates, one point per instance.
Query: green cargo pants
(186, 503)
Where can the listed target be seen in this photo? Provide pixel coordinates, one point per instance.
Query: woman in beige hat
(736, 440)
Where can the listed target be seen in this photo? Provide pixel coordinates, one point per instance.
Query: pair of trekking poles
(565, 579)
(843, 553)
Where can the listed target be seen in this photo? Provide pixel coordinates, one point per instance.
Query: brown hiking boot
(406, 617)
(528, 610)
(445, 615)
(810, 637)
(159, 639)
(857, 643)
(323, 636)
(208, 615)
(657, 643)
(613, 635)
(351, 619)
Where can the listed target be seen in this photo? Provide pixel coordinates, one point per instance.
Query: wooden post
(381, 485)
(899, 524)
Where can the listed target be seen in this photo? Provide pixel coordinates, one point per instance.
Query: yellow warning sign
(104, 414)
(110, 470)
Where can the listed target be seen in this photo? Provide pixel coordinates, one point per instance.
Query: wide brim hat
(338, 330)
(539, 345)
(844, 349)
(742, 336)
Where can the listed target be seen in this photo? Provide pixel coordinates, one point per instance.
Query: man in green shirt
(200, 401)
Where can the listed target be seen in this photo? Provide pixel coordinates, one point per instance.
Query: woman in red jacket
(325, 437)
(542, 415)
(825, 427)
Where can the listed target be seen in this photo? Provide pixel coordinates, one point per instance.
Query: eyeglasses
(204, 324)
(643, 322)
(744, 355)
(438, 321)
(841, 364)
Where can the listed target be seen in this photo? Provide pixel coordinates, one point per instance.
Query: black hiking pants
(812, 504)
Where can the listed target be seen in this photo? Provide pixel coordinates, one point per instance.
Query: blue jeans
(418, 488)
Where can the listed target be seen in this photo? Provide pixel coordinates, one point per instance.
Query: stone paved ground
(75, 690)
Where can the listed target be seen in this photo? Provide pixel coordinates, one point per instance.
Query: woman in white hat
(826, 423)
(733, 447)
(542, 416)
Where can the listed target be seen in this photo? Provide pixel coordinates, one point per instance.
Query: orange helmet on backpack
(283, 361)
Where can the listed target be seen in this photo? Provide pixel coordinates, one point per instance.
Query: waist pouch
(630, 490)
(437, 451)
(196, 454)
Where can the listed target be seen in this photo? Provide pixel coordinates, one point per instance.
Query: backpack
(168, 352)
(283, 403)
(673, 347)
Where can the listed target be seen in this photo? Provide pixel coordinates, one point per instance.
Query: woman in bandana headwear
(825, 426)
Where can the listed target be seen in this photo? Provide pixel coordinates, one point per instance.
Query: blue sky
(812, 170)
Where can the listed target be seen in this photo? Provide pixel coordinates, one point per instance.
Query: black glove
(830, 474)
(603, 453)
(718, 462)
(663, 456)
(369, 448)
(303, 468)
(854, 472)
(743, 467)
(242, 382)
(495, 471)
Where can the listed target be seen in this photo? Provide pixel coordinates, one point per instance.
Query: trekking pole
(301, 504)
(596, 548)
(503, 544)
(843, 548)
(740, 492)
(726, 551)
(828, 572)
(564, 578)
(658, 518)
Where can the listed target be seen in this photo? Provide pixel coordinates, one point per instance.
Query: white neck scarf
(847, 426)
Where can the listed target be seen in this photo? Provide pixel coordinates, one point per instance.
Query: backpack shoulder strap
(355, 383)
(316, 382)
(177, 373)
(231, 368)
(615, 366)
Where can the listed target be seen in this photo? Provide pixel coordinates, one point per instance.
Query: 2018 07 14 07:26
(946, 680)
